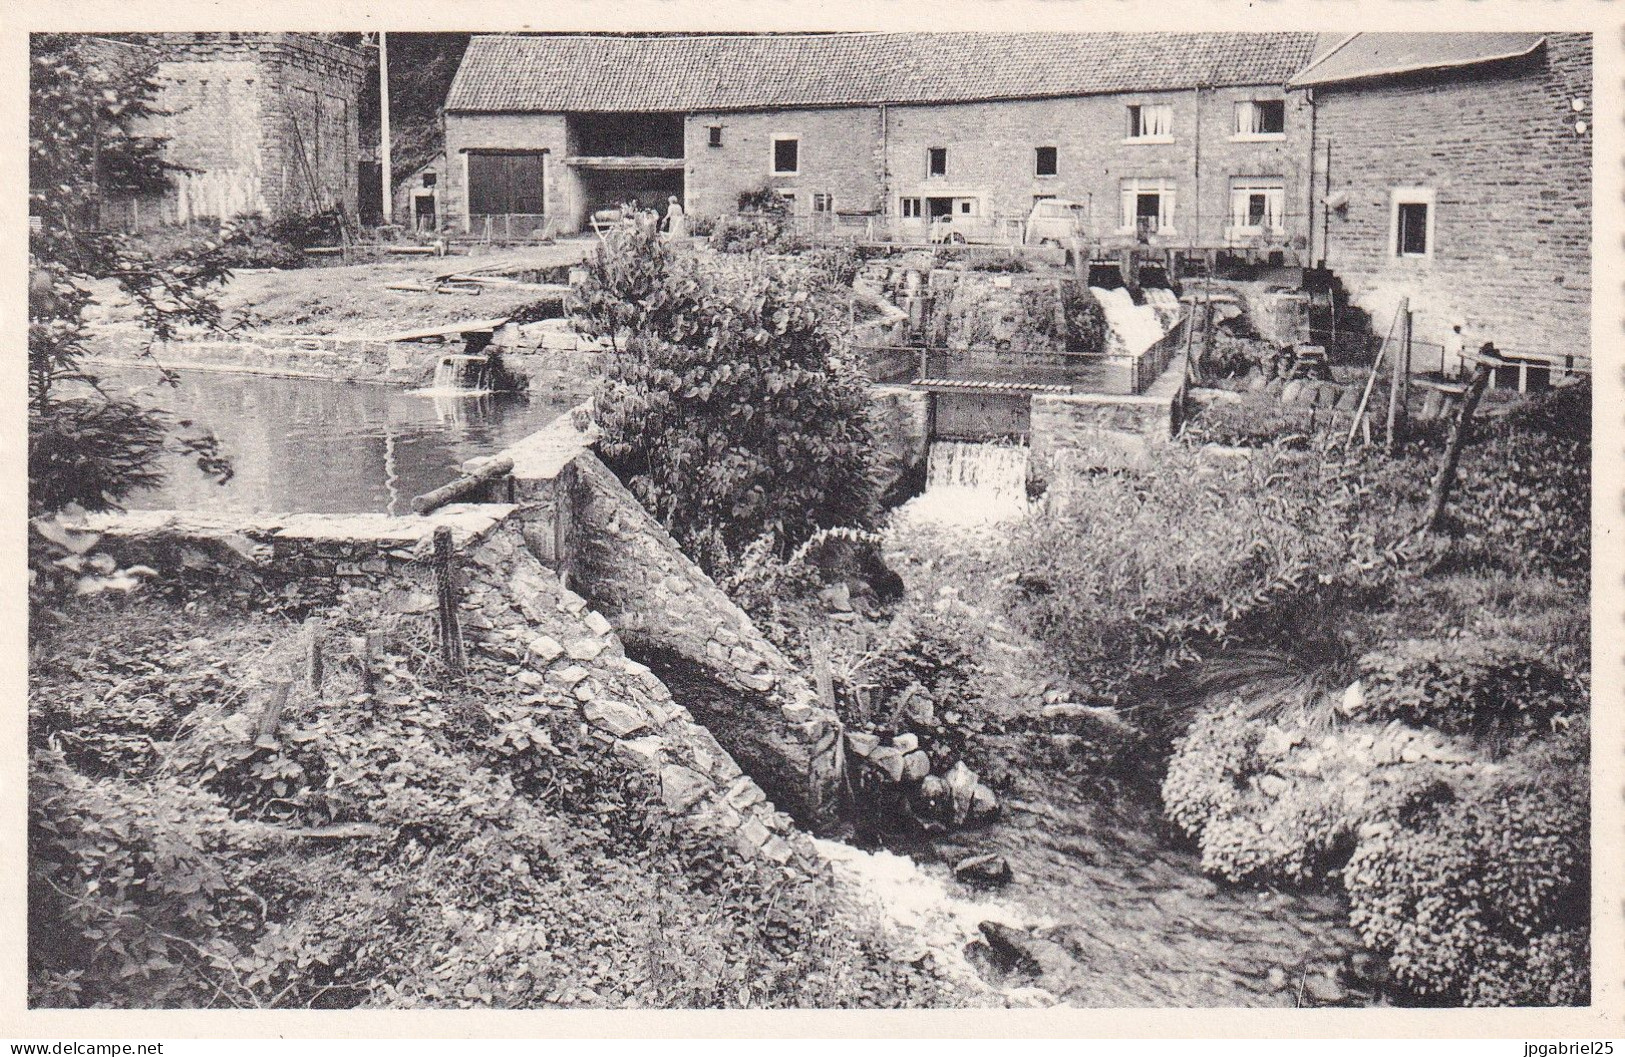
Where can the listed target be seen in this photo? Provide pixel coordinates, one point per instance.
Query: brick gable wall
(1512, 180)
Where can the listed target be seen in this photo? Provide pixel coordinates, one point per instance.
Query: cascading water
(972, 484)
(466, 375)
(1131, 328)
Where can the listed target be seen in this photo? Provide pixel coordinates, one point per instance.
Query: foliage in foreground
(727, 407)
(86, 446)
(494, 856)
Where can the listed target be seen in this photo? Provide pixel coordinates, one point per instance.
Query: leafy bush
(1488, 688)
(768, 233)
(764, 200)
(838, 266)
(496, 856)
(726, 407)
(1482, 895)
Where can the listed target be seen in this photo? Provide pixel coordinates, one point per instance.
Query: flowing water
(970, 484)
(319, 445)
(1131, 328)
(460, 376)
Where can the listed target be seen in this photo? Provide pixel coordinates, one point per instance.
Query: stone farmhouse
(1177, 139)
(1454, 169)
(254, 122)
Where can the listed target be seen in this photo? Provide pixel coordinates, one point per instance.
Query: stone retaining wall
(555, 362)
(1104, 430)
(514, 611)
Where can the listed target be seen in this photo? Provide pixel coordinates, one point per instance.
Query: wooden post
(271, 718)
(822, 677)
(364, 647)
(314, 671)
(451, 635)
(1483, 371)
(1393, 380)
(1370, 384)
(1405, 377)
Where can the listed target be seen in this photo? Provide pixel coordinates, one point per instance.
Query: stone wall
(1097, 429)
(839, 154)
(1497, 146)
(581, 522)
(900, 417)
(555, 363)
(561, 191)
(513, 611)
(230, 103)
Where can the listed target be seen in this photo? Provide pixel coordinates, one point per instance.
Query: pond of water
(319, 445)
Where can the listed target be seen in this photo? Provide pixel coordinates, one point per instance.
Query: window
(1259, 118)
(789, 200)
(786, 155)
(714, 136)
(430, 179)
(967, 207)
(1042, 198)
(1257, 205)
(1412, 222)
(936, 161)
(1148, 206)
(1044, 161)
(823, 203)
(909, 207)
(1151, 121)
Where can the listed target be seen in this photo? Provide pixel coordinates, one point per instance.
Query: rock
(597, 622)
(1353, 700)
(1325, 990)
(961, 787)
(545, 648)
(985, 871)
(570, 675)
(933, 796)
(838, 597)
(585, 649)
(861, 744)
(1256, 382)
(1064, 710)
(916, 765)
(984, 804)
(681, 787)
(617, 717)
(888, 761)
(1026, 953)
(919, 710)
(530, 679)
(906, 742)
(1272, 785)
(1289, 392)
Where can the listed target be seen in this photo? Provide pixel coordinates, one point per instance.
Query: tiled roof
(1367, 55)
(755, 72)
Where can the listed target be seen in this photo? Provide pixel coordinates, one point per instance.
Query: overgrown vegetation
(430, 845)
(87, 446)
(729, 407)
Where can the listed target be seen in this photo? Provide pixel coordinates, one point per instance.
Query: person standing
(676, 222)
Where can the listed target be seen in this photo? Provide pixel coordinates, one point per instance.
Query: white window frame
(1136, 119)
(1247, 105)
(1165, 188)
(1047, 175)
(829, 202)
(1243, 188)
(919, 207)
(773, 154)
(1411, 196)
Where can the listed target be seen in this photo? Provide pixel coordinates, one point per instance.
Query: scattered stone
(760, 683)
(986, 871)
(744, 793)
(861, 744)
(796, 712)
(961, 787)
(598, 623)
(887, 761)
(906, 742)
(641, 752)
(681, 787)
(1289, 393)
(934, 796)
(984, 804)
(916, 765)
(838, 597)
(919, 710)
(530, 678)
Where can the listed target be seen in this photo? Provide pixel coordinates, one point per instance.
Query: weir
(462, 374)
(970, 483)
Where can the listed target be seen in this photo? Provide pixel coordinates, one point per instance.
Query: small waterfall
(972, 484)
(1130, 328)
(467, 375)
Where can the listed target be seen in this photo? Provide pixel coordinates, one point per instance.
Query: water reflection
(313, 445)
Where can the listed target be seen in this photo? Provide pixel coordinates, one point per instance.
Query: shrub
(1492, 689)
(1482, 897)
(754, 234)
(726, 407)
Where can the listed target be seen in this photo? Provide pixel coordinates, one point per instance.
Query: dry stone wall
(512, 609)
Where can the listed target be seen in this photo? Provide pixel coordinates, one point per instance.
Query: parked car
(1056, 222)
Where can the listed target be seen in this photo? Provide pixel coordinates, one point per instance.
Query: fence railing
(1006, 368)
(507, 227)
